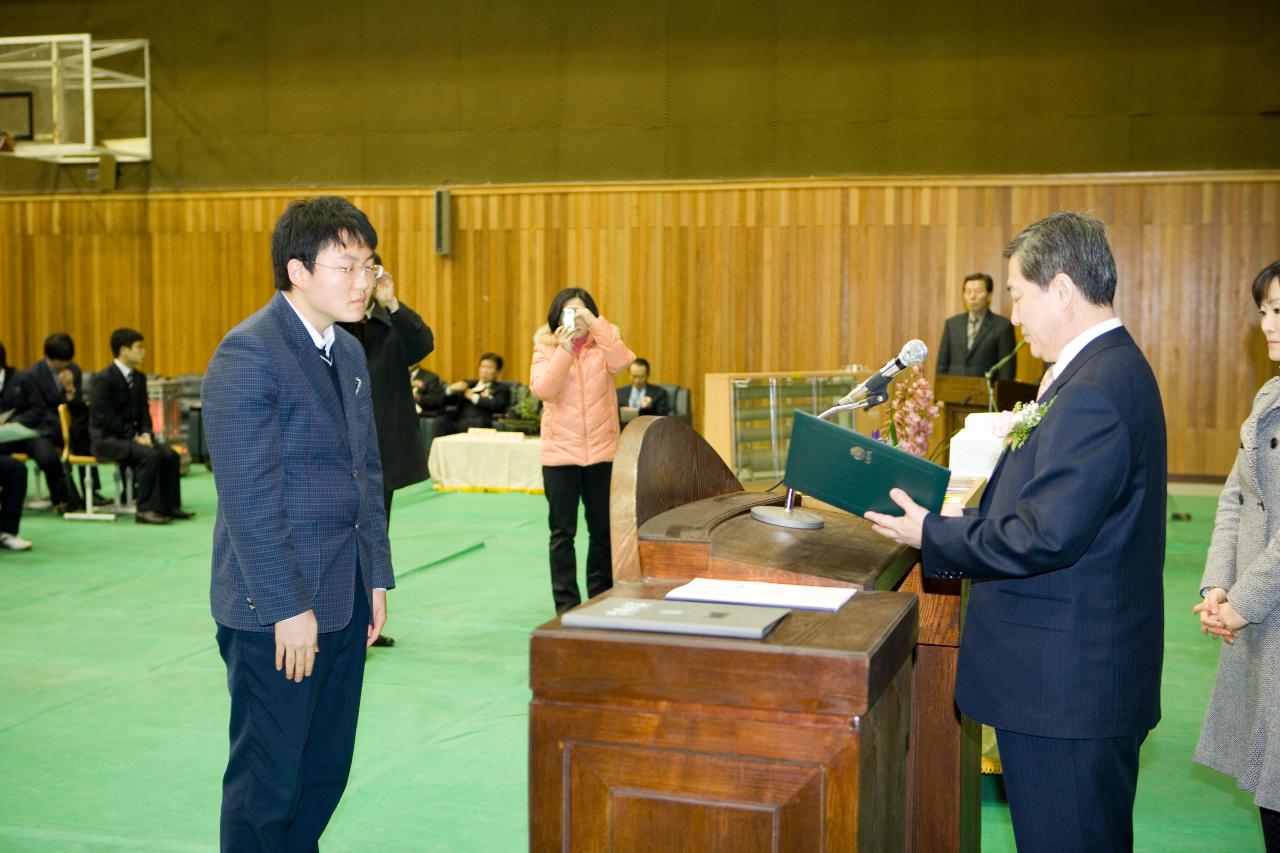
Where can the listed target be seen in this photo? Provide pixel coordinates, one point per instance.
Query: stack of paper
(795, 596)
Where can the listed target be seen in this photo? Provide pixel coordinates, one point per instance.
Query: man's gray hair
(1071, 243)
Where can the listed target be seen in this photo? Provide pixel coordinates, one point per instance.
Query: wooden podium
(667, 723)
(963, 395)
(656, 742)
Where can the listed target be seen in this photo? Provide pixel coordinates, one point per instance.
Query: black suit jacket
(660, 405)
(1064, 629)
(392, 344)
(38, 396)
(481, 413)
(118, 412)
(10, 391)
(994, 340)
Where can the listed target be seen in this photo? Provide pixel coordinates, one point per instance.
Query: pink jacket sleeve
(616, 354)
(548, 371)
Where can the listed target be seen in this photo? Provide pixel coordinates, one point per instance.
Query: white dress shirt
(1080, 341)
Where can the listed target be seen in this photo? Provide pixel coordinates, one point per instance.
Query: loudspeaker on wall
(444, 222)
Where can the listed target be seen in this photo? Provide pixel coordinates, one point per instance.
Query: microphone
(990, 374)
(913, 353)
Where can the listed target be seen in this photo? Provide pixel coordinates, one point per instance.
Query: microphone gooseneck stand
(787, 515)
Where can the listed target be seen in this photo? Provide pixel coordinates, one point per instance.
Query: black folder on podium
(855, 472)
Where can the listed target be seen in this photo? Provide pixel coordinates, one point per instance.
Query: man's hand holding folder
(906, 529)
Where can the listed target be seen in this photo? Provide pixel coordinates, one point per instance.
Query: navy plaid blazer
(298, 475)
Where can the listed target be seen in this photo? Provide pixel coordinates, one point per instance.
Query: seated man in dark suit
(478, 400)
(120, 428)
(35, 396)
(974, 341)
(641, 398)
(428, 392)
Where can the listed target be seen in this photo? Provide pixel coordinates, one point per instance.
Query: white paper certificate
(795, 596)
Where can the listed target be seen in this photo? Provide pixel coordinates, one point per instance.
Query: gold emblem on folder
(860, 454)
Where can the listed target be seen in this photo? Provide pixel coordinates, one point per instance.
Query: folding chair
(87, 465)
(35, 497)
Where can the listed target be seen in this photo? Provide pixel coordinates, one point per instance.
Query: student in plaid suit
(301, 562)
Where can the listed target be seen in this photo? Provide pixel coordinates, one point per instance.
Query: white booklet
(795, 596)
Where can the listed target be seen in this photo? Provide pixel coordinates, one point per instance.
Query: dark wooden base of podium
(658, 742)
(641, 745)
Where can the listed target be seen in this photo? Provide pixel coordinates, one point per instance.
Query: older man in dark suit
(478, 401)
(1063, 634)
(301, 562)
(120, 430)
(974, 341)
(641, 398)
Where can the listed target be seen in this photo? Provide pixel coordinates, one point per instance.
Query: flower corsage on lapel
(1015, 427)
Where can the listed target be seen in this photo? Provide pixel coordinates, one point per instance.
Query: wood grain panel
(700, 277)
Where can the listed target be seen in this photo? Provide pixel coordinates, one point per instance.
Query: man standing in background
(301, 562)
(974, 341)
(394, 339)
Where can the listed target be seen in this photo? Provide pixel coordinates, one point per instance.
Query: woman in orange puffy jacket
(572, 373)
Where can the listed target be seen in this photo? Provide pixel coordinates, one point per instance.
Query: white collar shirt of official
(1080, 341)
(125, 369)
(322, 341)
(637, 394)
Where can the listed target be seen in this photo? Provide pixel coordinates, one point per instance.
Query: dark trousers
(452, 424)
(291, 744)
(48, 458)
(1070, 795)
(13, 491)
(157, 477)
(387, 495)
(565, 486)
(1270, 829)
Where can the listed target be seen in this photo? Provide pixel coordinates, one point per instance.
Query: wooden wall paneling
(769, 275)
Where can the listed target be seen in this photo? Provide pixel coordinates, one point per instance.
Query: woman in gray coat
(1241, 590)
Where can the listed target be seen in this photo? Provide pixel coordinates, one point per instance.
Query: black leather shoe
(144, 517)
(384, 640)
(102, 500)
(180, 515)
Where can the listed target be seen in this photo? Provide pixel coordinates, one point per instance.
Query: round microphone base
(780, 516)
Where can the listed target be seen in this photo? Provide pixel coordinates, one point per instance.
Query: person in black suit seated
(1063, 637)
(428, 392)
(120, 429)
(974, 341)
(35, 395)
(478, 400)
(641, 398)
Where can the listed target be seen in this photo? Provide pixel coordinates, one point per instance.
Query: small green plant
(527, 407)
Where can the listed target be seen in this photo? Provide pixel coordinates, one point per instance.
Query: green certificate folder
(856, 472)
